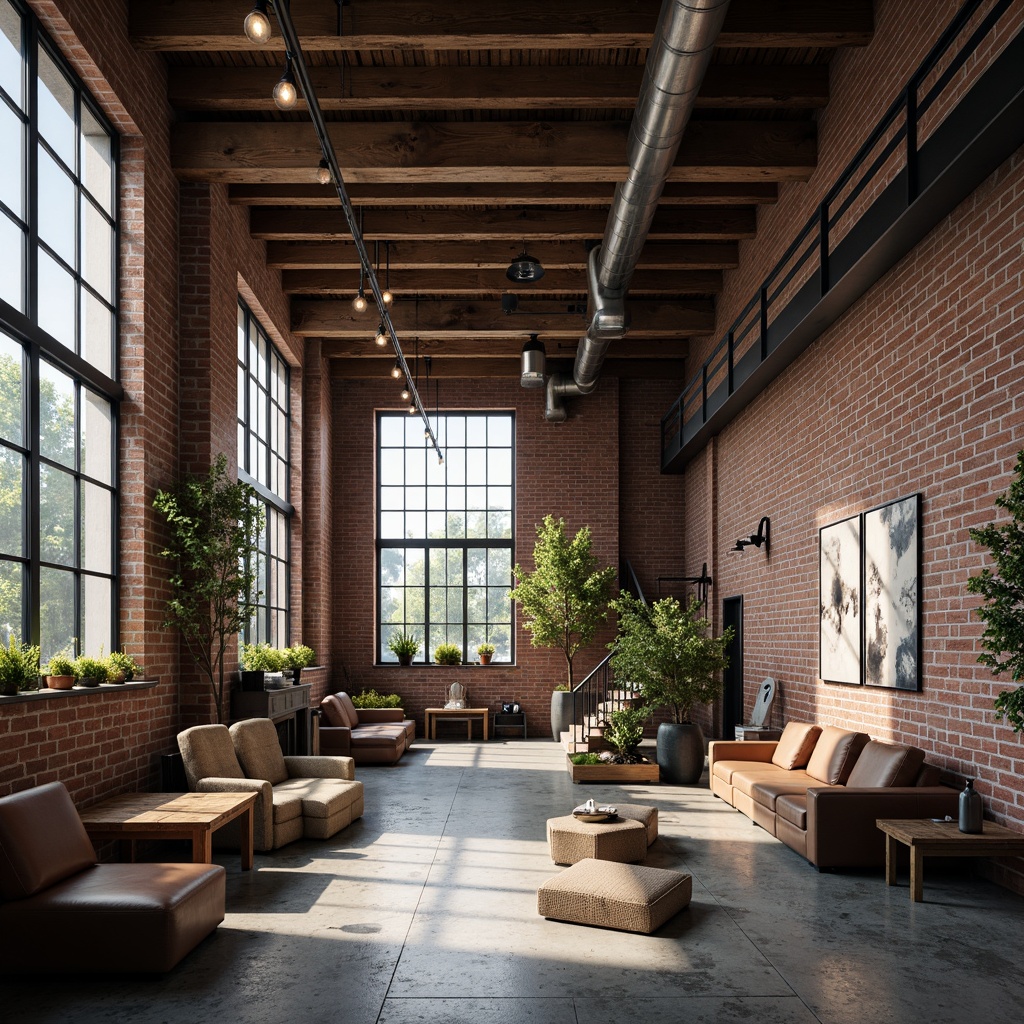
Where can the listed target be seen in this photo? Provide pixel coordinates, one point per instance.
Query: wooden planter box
(622, 773)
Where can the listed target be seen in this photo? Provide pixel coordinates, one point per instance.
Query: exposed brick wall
(917, 388)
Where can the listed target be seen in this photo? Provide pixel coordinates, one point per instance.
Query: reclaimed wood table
(467, 715)
(194, 816)
(928, 838)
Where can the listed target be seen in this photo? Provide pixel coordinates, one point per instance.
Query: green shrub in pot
(448, 654)
(19, 667)
(90, 671)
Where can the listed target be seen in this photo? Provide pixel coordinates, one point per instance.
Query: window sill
(115, 689)
(433, 665)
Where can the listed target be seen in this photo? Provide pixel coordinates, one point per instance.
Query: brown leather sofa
(109, 918)
(367, 735)
(821, 790)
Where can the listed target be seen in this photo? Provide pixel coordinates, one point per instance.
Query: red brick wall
(917, 388)
(577, 470)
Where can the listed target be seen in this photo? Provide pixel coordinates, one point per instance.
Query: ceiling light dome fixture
(257, 24)
(524, 268)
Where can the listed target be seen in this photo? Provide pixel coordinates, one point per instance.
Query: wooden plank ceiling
(467, 132)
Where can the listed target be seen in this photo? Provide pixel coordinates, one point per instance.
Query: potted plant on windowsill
(19, 667)
(257, 660)
(404, 646)
(448, 654)
(90, 671)
(59, 674)
(668, 651)
(121, 667)
(485, 652)
(299, 657)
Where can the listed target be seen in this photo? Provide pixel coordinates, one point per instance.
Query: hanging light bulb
(323, 173)
(359, 302)
(440, 460)
(386, 296)
(285, 93)
(406, 393)
(257, 23)
(396, 370)
(412, 408)
(381, 338)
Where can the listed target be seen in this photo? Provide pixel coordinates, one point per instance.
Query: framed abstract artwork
(840, 602)
(892, 607)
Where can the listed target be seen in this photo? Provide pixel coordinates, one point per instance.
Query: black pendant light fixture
(524, 268)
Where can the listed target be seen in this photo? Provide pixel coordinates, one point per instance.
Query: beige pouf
(647, 816)
(571, 840)
(630, 897)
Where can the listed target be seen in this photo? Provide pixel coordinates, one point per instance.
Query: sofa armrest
(368, 715)
(336, 739)
(841, 829)
(308, 766)
(739, 750)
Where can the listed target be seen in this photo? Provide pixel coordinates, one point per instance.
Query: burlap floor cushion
(647, 816)
(570, 840)
(629, 897)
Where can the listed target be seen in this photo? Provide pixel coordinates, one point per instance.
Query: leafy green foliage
(373, 699)
(214, 524)
(448, 654)
(486, 649)
(19, 666)
(121, 665)
(300, 656)
(625, 728)
(666, 650)
(262, 657)
(1002, 588)
(585, 758)
(61, 664)
(404, 644)
(565, 598)
(91, 668)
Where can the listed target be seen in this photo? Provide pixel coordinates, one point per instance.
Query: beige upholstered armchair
(313, 797)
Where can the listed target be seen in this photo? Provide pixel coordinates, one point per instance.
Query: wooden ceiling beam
(507, 366)
(676, 224)
(492, 283)
(195, 25)
(477, 151)
(367, 353)
(524, 87)
(342, 256)
(428, 318)
(470, 193)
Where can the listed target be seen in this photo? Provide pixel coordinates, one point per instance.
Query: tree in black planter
(1003, 591)
(214, 524)
(668, 651)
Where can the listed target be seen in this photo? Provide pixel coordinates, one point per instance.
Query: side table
(509, 720)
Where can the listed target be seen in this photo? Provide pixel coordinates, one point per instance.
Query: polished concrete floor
(425, 911)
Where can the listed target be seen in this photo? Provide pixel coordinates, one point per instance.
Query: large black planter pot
(561, 713)
(251, 681)
(680, 753)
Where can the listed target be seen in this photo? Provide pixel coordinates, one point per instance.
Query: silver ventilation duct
(679, 56)
(533, 364)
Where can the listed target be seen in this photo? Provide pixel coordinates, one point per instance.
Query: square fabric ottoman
(571, 840)
(629, 897)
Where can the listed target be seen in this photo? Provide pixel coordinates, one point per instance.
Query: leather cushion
(886, 764)
(767, 792)
(835, 754)
(333, 712)
(259, 750)
(796, 745)
(725, 770)
(792, 807)
(42, 841)
(746, 780)
(348, 709)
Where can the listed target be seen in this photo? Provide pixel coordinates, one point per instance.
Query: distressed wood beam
(454, 368)
(682, 224)
(342, 256)
(366, 352)
(477, 151)
(725, 86)
(492, 283)
(191, 25)
(470, 193)
(427, 318)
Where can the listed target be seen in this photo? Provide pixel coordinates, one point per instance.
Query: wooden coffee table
(927, 838)
(194, 816)
(466, 715)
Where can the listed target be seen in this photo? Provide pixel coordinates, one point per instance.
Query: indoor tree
(1002, 587)
(214, 524)
(565, 598)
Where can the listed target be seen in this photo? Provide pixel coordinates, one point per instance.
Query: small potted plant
(448, 654)
(405, 646)
(257, 660)
(485, 652)
(59, 674)
(19, 667)
(299, 657)
(121, 667)
(90, 671)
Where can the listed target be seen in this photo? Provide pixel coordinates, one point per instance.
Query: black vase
(680, 752)
(251, 681)
(970, 809)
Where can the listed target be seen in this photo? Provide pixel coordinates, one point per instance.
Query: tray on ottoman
(629, 897)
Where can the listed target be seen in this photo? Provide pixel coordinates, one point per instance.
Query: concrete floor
(425, 911)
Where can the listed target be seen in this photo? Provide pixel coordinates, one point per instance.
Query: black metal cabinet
(287, 708)
(509, 720)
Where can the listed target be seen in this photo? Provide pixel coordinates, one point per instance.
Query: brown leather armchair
(139, 918)
(368, 735)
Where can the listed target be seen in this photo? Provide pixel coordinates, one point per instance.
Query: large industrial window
(444, 532)
(58, 392)
(263, 433)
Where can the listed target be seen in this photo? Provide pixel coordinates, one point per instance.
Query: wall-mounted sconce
(760, 539)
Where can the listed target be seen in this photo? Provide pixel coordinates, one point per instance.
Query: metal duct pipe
(679, 56)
